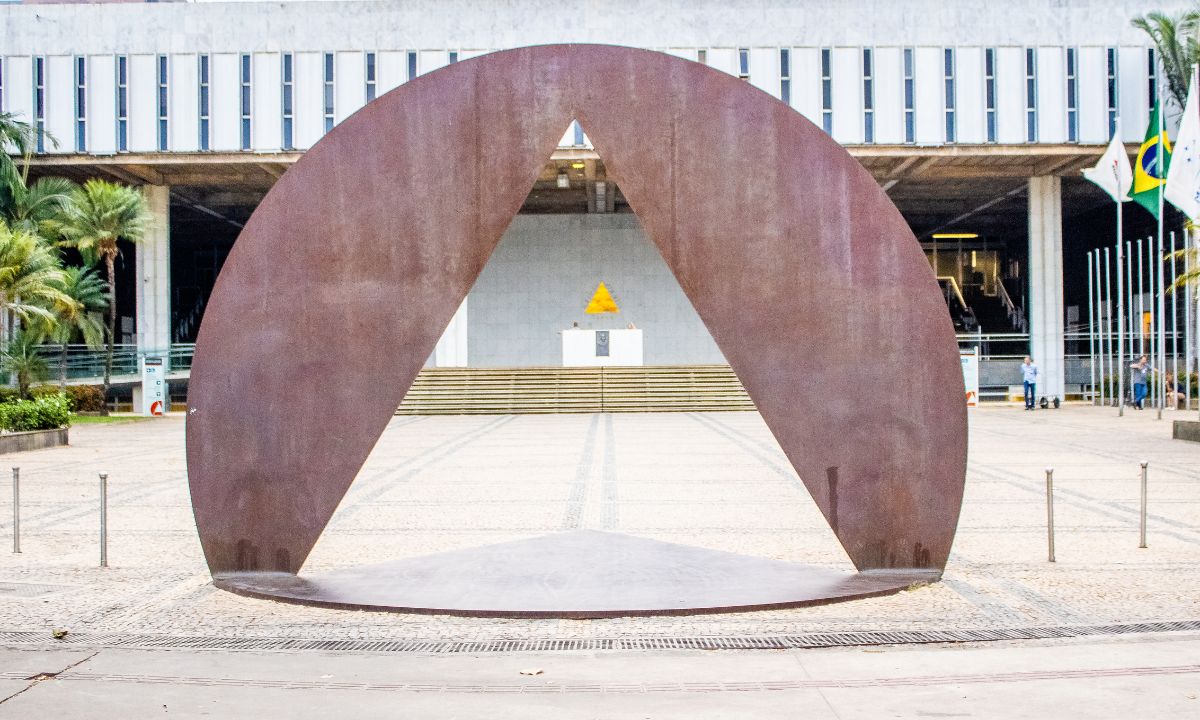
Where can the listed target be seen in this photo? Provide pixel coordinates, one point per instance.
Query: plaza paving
(714, 480)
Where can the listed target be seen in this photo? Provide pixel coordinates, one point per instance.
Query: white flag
(1183, 179)
(1113, 173)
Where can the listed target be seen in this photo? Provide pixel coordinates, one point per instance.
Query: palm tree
(16, 138)
(22, 360)
(1178, 47)
(28, 273)
(37, 208)
(81, 318)
(100, 214)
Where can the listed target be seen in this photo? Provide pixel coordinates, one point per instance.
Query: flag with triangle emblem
(602, 302)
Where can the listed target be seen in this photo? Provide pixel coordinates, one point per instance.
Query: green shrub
(8, 394)
(80, 398)
(43, 413)
(44, 391)
(86, 398)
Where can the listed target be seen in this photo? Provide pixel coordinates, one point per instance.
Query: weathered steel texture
(807, 276)
(623, 576)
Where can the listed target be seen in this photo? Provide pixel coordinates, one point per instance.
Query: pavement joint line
(43, 676)
(551, 687)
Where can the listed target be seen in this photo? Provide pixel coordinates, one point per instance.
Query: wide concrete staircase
(664, 388)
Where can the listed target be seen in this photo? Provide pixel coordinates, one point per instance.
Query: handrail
(957, 292)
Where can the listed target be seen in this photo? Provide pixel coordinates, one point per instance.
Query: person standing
(1137, 377)
(1029, 373)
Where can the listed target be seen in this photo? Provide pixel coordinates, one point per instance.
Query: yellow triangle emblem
(602, 302)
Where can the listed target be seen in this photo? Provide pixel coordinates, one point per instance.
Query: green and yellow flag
(1150, 170)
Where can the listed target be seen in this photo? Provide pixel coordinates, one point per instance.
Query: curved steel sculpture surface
(807, 276)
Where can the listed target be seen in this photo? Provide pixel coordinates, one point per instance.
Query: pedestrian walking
(1029, 373)
(1137, 377)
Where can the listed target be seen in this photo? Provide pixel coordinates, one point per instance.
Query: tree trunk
(62, 369)
(112, 325)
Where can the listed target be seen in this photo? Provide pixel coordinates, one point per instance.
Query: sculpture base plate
(574, 574)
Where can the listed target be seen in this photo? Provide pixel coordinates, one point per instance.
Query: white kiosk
(594, 348)
(151, 397)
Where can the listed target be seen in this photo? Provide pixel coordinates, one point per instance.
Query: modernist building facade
(975, 117)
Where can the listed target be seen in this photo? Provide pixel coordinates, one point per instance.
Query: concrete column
(1046, 284)
(451, 350)
(154, 276)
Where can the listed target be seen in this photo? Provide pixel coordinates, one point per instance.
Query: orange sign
(602, 302)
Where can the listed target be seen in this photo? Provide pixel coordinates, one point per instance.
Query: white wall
(225, 97)
(847, 95)
(267, 97)
(60, 102)
(350, 83)
(1093, 95)
(889, 95)
(806, 83)
(184, 113)
(143, 103)
(309, 99)
(970, 95)
(1134, 80)
(1010, 95)
(931, 120)
(1052, 95)
(102, 104)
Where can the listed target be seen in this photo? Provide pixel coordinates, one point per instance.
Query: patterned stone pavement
(715, 480)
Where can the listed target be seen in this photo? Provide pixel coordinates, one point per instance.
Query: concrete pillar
(154, 276)
(1046, 284)
(451, 350)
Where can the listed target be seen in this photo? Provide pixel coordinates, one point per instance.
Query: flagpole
(1141, 301)
(1129, 296)
(1120, 322)
(1187, 322)
(1108, 310)
(1170, 392)
(1099, 328)
(1091, 326)
(1158, 260)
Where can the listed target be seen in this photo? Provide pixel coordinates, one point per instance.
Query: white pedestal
(586, 348)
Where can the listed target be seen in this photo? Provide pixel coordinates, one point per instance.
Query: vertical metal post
(1124, 368)
(1141, 301)
(103, 519)
(1050, 512)
(1142, 542)
(16, 509)
(1187, 325)
(1100, 333)
(1174, 330)
(1161, 313)
(1108, 315)
(1120, 321)
(1092, 326)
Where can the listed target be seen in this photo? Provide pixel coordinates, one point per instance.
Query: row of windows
(949, 93)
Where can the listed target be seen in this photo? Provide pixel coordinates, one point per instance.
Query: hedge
(82, 398)
(43, 413)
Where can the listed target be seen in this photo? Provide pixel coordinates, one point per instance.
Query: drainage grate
(29, 590)
(548, 645)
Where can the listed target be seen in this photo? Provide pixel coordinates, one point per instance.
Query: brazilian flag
(1150, 170)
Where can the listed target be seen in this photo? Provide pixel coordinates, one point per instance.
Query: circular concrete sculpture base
(577, 574)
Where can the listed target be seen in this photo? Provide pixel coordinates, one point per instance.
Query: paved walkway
(1146, 677)
(714, 480)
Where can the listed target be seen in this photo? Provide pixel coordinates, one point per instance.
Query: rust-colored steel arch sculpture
(806, 275)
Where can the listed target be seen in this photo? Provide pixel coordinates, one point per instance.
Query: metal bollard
(103, 519)
(16, 509)
(1050, 511)
(1142, 537)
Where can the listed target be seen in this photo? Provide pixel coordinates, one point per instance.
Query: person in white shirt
(1029, 373)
